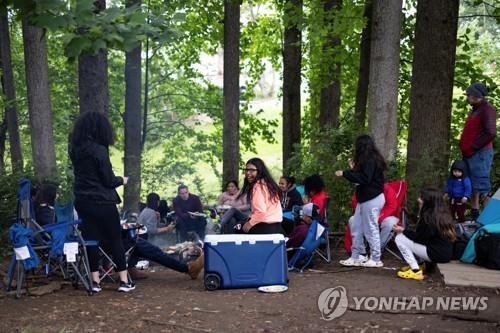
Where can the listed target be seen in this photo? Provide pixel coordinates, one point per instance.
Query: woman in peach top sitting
(263, 194)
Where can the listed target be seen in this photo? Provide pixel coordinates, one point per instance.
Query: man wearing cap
(476, 142)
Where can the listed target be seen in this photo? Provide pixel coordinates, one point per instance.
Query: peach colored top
(263, 209)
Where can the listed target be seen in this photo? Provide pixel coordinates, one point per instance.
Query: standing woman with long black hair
(95, 194)
(263, 194)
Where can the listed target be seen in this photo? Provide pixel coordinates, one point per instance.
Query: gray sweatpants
(365, 226)
(409, 249)
(385, 231)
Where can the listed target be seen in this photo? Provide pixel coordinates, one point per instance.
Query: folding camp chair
(303, 255)
(325, 253)
(400, 187)
(57, 246)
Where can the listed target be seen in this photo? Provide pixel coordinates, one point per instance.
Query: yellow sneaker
(410, 274)
(407, 268)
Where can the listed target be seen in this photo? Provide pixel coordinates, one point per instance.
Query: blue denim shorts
(479, 166)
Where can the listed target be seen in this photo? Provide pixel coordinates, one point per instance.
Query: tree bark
(231, 87)
(93, 77)
(384, 75)
(9, 91)
(132, 122)
(292, 56)
(329, 105)
(39, 106)
(364, 69)
(432, 90)
(3, 138)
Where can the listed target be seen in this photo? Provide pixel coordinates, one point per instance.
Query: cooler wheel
(212, 281)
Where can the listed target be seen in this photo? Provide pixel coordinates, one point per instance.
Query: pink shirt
(231, 200)
(263, 209)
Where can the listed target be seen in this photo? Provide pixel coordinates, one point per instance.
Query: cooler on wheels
(244, 261)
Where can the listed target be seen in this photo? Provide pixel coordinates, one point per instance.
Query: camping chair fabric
(48, 244)
(304, 254)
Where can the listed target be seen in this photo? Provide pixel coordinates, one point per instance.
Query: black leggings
(266, 228)
(101, 222)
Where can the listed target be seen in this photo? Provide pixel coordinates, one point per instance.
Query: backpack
(463, 231)
(488, 251)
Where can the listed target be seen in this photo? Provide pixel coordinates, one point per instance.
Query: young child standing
(367, 172)
(433, 239)
(458, 189)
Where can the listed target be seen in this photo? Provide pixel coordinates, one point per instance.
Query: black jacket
(94, 177)
(439, 249)
(369, 180)
(290, 198)
(45, 214)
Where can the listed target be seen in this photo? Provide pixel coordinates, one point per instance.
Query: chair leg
(20, 278)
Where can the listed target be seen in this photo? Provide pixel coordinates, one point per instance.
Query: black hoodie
(94, 177)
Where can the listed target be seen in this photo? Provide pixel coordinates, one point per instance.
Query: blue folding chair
(304, 254)
(35, 245)
(325, 253)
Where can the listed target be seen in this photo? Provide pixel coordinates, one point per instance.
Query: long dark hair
(313, 183)
(264, 175)
(435, 211)
(365, 150)
(92, 126)
(290, 180)
(152, 201)
(46, 194)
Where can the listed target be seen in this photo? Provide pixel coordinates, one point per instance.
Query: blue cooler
(243, 261)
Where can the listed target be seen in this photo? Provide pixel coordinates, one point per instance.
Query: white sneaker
(351, 262)
(363, 258)
(372, 264)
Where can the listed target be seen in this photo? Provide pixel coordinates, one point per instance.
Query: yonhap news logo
(333, 303)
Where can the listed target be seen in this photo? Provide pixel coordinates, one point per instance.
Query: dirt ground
(171, 302)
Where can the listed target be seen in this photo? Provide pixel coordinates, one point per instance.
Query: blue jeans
(479, 167)
(146, 250)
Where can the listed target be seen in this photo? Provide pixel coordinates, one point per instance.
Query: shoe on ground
(350, 262)
(96, 287)
(410, 274)
(372, 264)
(363, 258)
(125, 287)
(136, 274)
(195, 267)
(407, 268)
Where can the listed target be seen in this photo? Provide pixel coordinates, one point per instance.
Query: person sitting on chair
(289, 197)
(44, 201)
(150, 217)
(187, 206)
(144, 249)
(387, 219)
(314, 188)
(240, 208)
(310, 212)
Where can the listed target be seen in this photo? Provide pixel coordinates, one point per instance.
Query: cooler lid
(238, 239)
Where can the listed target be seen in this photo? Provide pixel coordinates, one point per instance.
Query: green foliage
(8, 199)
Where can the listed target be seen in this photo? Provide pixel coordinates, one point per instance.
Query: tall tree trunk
(329, 105)
(93, 77)
(39, 106)
(432, 90)
(9, 91)
(292, 56)
(364, 68)
(3, 138)
(384, 75)
(231, 125)
(132, 125)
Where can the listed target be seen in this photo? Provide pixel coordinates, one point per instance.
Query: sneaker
(407, 268)
(410, 274)
(126, 286)
(195, 267)
(351, 262)
(136, 274)
(372, 263)
(96, 287)
(363, 258)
